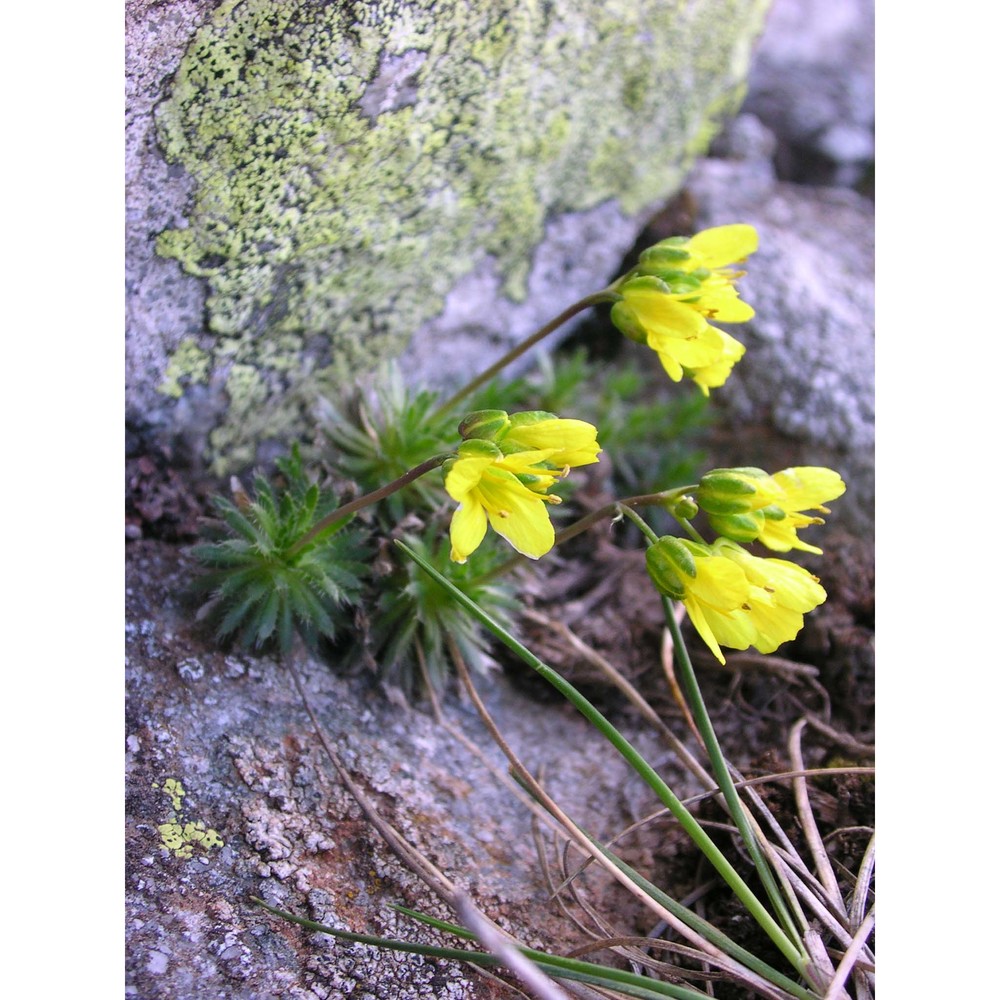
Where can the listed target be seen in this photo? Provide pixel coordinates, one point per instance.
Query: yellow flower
(712, 250)
(713, 375)
(507, 492)
(680, 335)
(747, 504)
(697, 271)
(714, 590)
(734, 599)
(573, 442)
(678, 286)
(781, 592)
(801, 489)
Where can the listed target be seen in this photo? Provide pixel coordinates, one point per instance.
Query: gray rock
(229, 796)
(813, 84)
(313, 187)
(808, 374)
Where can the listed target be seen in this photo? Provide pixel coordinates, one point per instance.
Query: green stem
(719, 766)
(651, 536)
(578, 527)
(691, 530)
(638, 763)
(629, 983)
(605, 295)
(366, 501)
(721, 771)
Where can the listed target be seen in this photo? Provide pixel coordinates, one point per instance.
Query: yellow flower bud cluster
(501, 474)
(680, 284)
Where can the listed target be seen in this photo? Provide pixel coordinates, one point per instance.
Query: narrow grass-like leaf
(638, 763)
(628, 983)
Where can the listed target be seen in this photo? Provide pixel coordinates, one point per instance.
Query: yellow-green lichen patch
(188, 362)
(339, 223)
(182, 840)
(180, 837)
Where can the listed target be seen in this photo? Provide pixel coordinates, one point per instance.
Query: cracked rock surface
(230, 733)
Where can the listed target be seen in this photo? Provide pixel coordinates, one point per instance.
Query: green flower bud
(666, 253)
(738, 527)
(772, 512)
(683, 507)
(487, 425)
(668, 562)
(679, 282)
(735, 491)
(477, 448)
(626, 320)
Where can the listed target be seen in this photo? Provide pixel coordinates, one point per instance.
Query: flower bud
(486, 425)
(668, 563)
(624, 317)
(477, 448)
(667, 253)
(739, 527)
(735, 491)
(683, 508)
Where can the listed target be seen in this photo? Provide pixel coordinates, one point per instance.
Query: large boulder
(813, 85)
(314, 187)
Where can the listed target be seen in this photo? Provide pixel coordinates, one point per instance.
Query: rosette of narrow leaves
(263, 586)
(414, 614)
(373, 442)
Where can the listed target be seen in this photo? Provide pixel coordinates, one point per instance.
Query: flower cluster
(502, 472)
(749, 505)
(734, 598)
(680, 284)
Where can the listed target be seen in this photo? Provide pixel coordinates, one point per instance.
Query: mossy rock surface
(316, 187)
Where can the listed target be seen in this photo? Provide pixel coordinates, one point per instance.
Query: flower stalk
(788, 945)
(605, 295)
(366, 501)
(663, 498)
(720, 768)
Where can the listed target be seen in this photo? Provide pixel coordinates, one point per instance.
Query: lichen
(180, 837)
(188, 362)
(326, 237)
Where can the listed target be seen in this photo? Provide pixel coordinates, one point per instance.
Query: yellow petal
(780, 536)
(526, 525)
(521, 462)
(572, 442)
(723, 245)
(789, 585)
(468, 527)
(713, 375)
(659, 313)
(719, 301)
(733, 628)
(705, 349)
(719, 583)
(808, 487)
(670, 366)
(774, 625)
(697, 615)
(465, 475)
(794, 587)
(539, 478)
